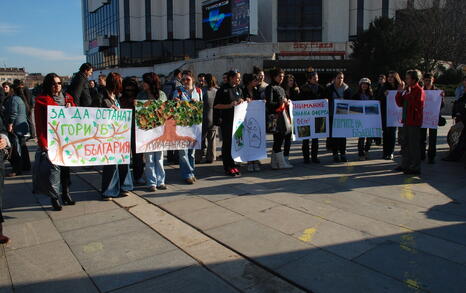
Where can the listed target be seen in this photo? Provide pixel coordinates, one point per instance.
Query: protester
(291, 87)
(209, 130)
(262, 85)
(2, 96)
(228, 96)
(201, 80)
(29, 101)
(188, 92)
(338, 90)
(58, 176)
(364, 93)
(16, 112)
(393, 83)
(79, 87)
(412, 101)
(128, 96)
(225, 78)
(251, 93)
(459, 115)
(277, 109)
(432, 151)
(155, 173)
(116, 179)
(4, 144)
(311, 90)
(169, 88)
(461, 89)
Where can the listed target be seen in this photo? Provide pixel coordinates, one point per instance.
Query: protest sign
(431, 110)
(248, 138)
(357, 119)
(310, 119)
(168, 125)
(79, 136)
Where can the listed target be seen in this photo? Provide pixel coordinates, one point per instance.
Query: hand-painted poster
(79, 136)
(310, 119)
(168, 125)
(248, 139)
(357, 119)
(431, 111)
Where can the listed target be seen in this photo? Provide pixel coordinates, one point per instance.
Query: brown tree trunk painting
(169, 136)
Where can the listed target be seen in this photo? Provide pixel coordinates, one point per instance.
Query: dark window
(360, 16)
(148, 20)
(192, 19)
(385, 8)
(170, 19)
(127, 21)
(299, 20)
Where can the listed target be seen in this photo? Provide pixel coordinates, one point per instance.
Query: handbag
(442, 121)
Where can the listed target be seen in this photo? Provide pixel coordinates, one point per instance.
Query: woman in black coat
(3, 145)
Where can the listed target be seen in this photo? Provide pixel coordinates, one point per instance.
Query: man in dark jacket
(337, 90)
(79, 87)
(311, 90)
(412, 101)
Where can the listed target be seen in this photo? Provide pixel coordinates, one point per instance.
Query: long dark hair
(10, 85)
(287, 78)
(18, 91)
(211, 81)
(48, 83)
(397, 78)
(153, 80)
(248, 78)
(274, 73)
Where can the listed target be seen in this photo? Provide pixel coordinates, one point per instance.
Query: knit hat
(365, 80)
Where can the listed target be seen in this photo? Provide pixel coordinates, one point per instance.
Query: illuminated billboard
(223, 19)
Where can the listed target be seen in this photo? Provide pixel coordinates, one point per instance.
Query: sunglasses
(56, 83)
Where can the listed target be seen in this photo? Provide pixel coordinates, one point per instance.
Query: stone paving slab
(125, 248)
(31, 234)
(74, 283)
(41, 263)
(416, 268)
(202, 219)
(194, 279)
(141, 270)
(85, 221)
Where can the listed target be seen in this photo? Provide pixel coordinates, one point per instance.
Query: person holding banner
(338, 90)
(277, 109)
(393, 83)
(188, 92)
(58, 177)
(116, 179)
(251, 93)
(364, 93)
(429, 85)
(311, 90)
(155, 173)
(412, 101)
(228, 96)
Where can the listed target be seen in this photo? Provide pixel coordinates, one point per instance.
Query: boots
(273, 161)
(56, 204)
(282, 164)
(65, 196)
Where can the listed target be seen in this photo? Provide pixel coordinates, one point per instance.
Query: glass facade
(299, 21)
(103, 23)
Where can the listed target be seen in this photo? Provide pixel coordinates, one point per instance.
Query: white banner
(168, 125)
(357, 119)
(431, 111)
(310, 119)
(248, 138)
(79, 136)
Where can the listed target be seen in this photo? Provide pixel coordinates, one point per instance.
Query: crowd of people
(23, 118)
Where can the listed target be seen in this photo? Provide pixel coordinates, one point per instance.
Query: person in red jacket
(52, 95)
(411, 100)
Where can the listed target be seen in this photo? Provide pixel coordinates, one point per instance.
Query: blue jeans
(186, 158)
(155, 174)
(115, 179)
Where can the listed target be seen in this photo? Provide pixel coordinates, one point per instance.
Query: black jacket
(225, 95)
(311, 92)
(274, 97)
(79, 90)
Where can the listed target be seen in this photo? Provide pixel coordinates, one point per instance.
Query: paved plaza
(352, 227)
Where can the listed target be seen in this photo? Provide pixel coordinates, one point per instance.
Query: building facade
(9, 74)
(134, 36)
